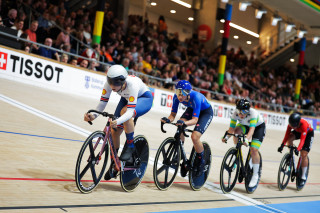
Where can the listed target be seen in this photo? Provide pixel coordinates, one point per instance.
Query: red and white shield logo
(3, 60)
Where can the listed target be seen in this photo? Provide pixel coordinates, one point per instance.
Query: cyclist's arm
(250, 133)
(303, 136)
(131, 106)
(172, 116)
(191, 122)
(106, 92)
(286, 137)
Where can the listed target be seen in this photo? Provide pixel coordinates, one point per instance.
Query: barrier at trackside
(57, 76)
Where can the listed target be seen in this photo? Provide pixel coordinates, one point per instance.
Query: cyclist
(299, 128)
(199, 112)
(136, 100)
(251, 123)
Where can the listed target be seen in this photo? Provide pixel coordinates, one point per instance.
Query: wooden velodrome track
(39, 149)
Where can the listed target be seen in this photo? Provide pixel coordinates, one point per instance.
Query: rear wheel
(131, 176)
(229, 170)
(299, 182)
(90, 166)
(284, 171)
(166, 163)
(196, 182)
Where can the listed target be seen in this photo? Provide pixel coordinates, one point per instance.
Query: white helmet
(116, 75)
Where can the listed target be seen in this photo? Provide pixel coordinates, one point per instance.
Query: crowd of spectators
(148, 48)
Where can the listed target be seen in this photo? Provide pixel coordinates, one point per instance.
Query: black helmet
(243, 106)
(294, 119)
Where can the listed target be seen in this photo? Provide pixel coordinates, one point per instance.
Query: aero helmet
(183, 87)
(243, 106)
(116, 75)
(294, 119)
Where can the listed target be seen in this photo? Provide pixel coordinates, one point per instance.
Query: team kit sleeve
(106, 92)
(132, 102)
(197, 99)
(175, 104)
(253, 119)
(233, 120)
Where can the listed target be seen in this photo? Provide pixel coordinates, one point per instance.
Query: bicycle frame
(240, 156)
(177, 135)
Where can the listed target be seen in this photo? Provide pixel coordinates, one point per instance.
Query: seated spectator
(91, 53)
(84, 63)
(18, 25)
(1, 22)
(87, 33)
(32, 33)
(74, 62)
(64, 58)
(147, 68)
(106, 53)
(63, 37)
(12, 16)
(46, 52)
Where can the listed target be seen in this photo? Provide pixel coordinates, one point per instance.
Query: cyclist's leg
(144, 104)
(203, 123)
(256, 142)
(304, 154)
(116, 134)
(240, 129)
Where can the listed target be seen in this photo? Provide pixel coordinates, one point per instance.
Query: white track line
(209, 185)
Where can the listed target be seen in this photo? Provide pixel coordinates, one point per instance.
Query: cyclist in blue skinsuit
(199, 112)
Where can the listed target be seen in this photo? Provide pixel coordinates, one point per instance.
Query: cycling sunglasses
(180, 92)
(243, 111)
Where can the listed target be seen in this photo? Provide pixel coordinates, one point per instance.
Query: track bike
(168, 157)
(93, 158)
(233, 167)
(288, 170)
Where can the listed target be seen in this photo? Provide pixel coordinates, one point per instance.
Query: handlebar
(104, 114)
(240, 136)
(179, 127)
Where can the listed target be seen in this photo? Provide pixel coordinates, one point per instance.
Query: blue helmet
(183, 87)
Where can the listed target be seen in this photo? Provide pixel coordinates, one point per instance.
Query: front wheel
(131, 176)
(249, 174)
(229, 171)
(166, 163)
(299, 182)
(91, 164)
(196, 182)
(284, 172)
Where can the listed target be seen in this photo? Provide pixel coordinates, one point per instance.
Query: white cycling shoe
(254, 180)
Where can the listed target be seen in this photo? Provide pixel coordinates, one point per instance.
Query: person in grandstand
(199, 113)
(136, 100)
(251, 123)
(299, 128)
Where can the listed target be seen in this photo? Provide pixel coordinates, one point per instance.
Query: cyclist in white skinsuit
(136, 100)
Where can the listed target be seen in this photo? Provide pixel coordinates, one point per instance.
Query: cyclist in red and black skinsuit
(299, 128)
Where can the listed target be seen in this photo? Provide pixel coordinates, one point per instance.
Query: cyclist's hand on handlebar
(296, 151)
(280, 148)
(88, 117)
(246, 141)
(181, 123)
(225, 138)
(113, 123)
(165, 120)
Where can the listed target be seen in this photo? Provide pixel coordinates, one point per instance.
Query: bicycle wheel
(229, 170)
(249, 173)
(131, 176)
(284, 171)
(300, 185)
(90, 166)
(195, 182)
(166, 163)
